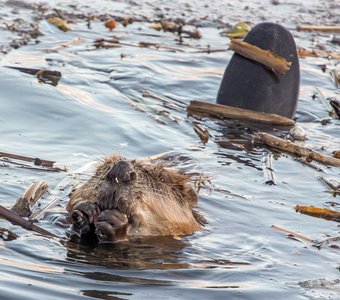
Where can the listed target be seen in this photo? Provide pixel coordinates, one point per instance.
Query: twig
(320, 244)
(71, 43)
(333, 184)
(268, 169)
(334, 28)
(218, 110)
(38, 214)
(292, 233)
(37, 161)
(274, 62)
(289, 147)
(315, 53)
(17, 220)
(157, 156)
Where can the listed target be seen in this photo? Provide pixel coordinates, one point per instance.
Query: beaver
(127, 198)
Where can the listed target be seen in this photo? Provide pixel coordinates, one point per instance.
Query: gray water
(98, 108)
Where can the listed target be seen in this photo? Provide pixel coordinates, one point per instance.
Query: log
(274, 62)
(289, 147)
(220, 111)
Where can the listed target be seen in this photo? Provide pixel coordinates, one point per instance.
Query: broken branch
(17, 220)
(274, 62)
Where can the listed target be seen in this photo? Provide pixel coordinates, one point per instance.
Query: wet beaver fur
(126, 198)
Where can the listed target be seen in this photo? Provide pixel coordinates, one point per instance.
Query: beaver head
(155, 199)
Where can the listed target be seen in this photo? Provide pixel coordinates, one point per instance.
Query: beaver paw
(122, 171)
(84, 214)
(112, 226)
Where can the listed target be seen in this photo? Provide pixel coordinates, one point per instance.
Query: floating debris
(239, 31)
(297, 133)
(60, 23)
(44, 76)
(111, 24)
(318, 212)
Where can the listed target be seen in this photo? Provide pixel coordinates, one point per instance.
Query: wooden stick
(218, 110)
(157, 156)
(334, 28)
(289, 147)
(315, 53)
(274, 62)
(17, 220)
(294, 234)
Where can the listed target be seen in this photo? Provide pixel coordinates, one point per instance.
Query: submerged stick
(289, 147)
(275, 62)
(218, 110)
(17, 220)
(334, 28)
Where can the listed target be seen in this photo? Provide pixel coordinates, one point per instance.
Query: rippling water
(132, 100)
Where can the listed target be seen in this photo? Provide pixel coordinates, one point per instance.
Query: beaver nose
(122, 171)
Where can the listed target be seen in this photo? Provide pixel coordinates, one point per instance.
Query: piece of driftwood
(289, 147)
(335, 28)
(274, 62)
(296, 235)
(24, 204)
(17, 220)
(218, 110)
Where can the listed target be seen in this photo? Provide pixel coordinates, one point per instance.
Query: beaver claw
(84, 215)
(111, 226)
